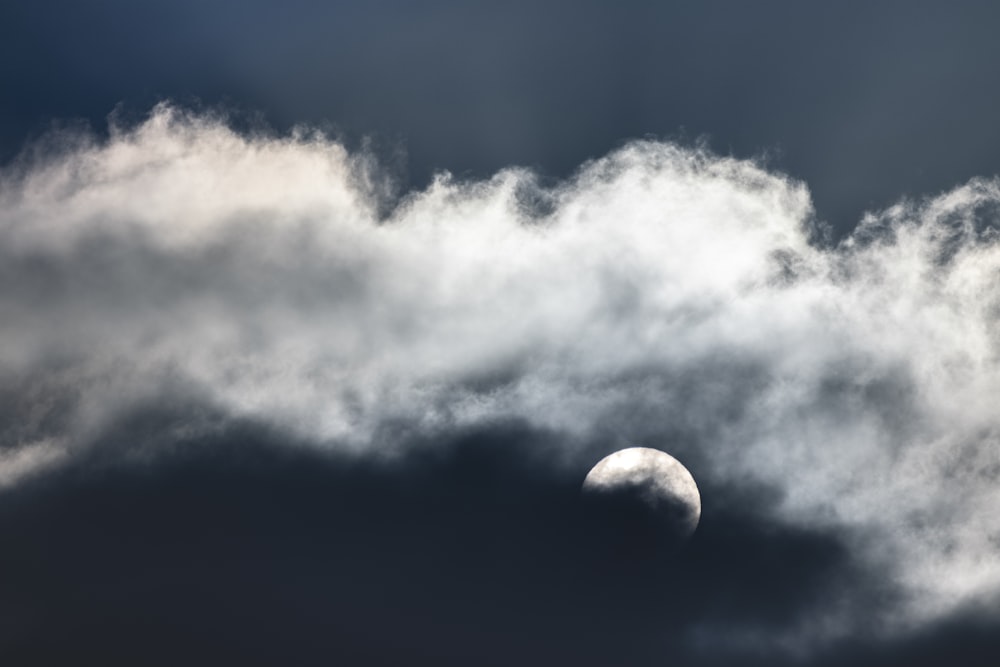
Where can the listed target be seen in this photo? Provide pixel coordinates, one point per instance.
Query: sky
(315, 316)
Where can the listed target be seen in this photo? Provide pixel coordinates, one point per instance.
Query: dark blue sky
(865, 101)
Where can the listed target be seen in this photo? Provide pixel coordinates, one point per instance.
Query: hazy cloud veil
(662, 296)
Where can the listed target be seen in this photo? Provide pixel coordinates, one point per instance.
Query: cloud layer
(662, 296)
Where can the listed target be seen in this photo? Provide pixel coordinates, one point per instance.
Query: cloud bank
(662, 296)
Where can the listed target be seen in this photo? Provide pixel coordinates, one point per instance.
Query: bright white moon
(653, 481)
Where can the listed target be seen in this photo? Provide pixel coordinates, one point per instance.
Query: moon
(643, 492)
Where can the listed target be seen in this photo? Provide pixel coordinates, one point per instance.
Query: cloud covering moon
(663, 294)
(652, 482)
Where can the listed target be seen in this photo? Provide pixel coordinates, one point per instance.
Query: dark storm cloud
(473, 548)
(865, 101)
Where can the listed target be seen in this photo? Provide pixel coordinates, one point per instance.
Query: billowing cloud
(662, 296)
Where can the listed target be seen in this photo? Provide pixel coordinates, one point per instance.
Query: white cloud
(666, 295)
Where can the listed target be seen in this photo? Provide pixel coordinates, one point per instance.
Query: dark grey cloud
(236, 546)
